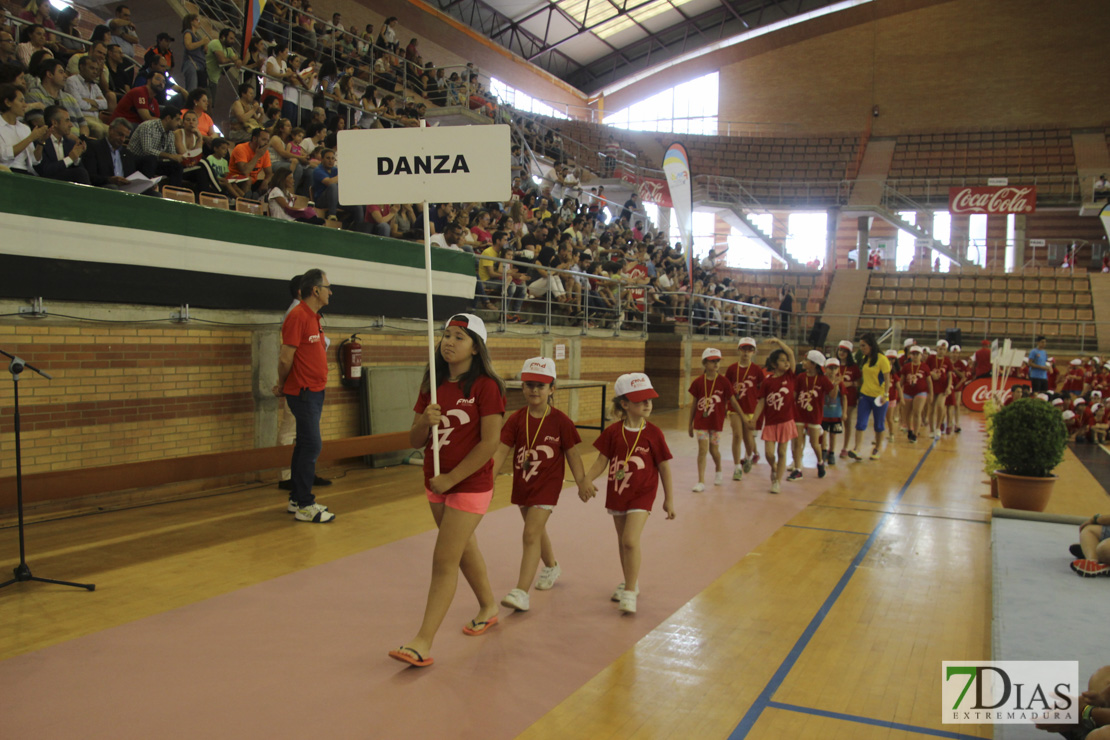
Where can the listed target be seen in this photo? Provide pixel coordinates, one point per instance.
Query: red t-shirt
(895, 379)
(136, 99)
(915, 379)
(940, 385)
(809, 398)
(542, 482)
(460, 430)
(637, 489)
(746, 382)
(1086, 418)
(852, 374)
(1053, 377)
(778, 398)
(1073, 381)
(712, 402)
(982, 361)
(959, 366)
(302, 330)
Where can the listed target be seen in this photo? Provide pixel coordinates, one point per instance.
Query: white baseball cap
(846, 345)
(468, 321)
(832, 362)
(747, 342)
(1069, 415)
(538, 370)
(1079, 401)
(711, 353)
(930, 350)
(1096, 407)
(635, 387)
(942, 342)
(1106, 366)
(1096, 394)
(916, 349)
(1041, 396)
(816, 358)
(1053, 359)
(1057, 402)
(907, 343)
(892, 353)
(1076, 361)
(955, 348)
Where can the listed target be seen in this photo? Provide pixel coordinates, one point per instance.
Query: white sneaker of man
(316, 513)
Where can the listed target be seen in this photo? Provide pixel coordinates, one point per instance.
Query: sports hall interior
(149, 461)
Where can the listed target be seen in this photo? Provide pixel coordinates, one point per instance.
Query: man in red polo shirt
(981, 361)
(142, 103)
(302, 377)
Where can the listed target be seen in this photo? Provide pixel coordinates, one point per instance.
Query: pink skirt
(783, 432)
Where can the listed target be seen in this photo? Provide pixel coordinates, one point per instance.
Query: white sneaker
(936, 434)
(698, 488)
(292, 507)
(628, 601)
(516, 599)
(317, 513)
(776, 487)
(548, 576)
(720, 479)
(738, 472)
(620, 590)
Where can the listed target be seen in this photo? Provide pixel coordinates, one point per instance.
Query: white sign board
(412, 165)
(1036, 242)
(997, 182)
(923, 243)
(560, 352)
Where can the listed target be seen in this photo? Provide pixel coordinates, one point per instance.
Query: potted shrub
(1028, 439)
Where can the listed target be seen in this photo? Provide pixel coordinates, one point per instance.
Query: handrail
(54, 32)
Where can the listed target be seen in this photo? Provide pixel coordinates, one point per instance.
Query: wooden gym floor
(834, 626)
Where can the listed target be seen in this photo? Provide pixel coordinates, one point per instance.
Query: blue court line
(869, 721)
(822, 529)
(764, 698)
(916, 506)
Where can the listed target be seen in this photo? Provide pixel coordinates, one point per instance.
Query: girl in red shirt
(541, 440)
(776, 404)
(894, 393)
(917, 391)
(1074, 380)
(810, 390)
(746, 378)
(713, 395)
(636, 455)
(466, 419)
(941, 376)
(852, 377)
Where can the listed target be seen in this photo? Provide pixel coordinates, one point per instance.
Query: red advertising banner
(992, 200)
(976, 393)
(650, 189)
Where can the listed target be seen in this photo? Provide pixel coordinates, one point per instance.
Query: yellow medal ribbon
(527, 464)
(620, 473)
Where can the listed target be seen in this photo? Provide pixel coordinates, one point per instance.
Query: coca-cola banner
(976, 393)
(650, 189)
(1010, 199)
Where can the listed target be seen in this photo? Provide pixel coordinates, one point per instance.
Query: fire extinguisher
(350, 362)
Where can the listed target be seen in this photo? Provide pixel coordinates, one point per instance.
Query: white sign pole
(431, 325)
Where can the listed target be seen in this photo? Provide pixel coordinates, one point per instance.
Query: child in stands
(541, 440)
(810, 390)
(1074, 383)
(636, 455)
(467, 419)
(713, 397)
(746, 378)
(776, 404)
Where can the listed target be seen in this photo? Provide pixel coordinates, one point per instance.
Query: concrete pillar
(923, 254)
(863, 234)
(1019, 241)
(959, 235)
(265, 346)
(831, 228)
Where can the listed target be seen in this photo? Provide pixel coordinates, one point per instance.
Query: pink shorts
(473, 503)
(783, 432)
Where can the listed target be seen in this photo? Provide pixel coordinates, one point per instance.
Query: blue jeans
(306, 409)
(866, 407)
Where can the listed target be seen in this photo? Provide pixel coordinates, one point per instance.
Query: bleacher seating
(810, 288)
(984, 305)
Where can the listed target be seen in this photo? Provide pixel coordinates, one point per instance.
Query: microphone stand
(22, 571)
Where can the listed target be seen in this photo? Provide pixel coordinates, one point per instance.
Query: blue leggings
(866, 407)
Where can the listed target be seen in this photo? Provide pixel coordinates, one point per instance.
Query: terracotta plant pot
(994, 487)
(1024, 492)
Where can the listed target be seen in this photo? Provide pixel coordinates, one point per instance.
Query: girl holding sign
(636, 455)
(541, 440)
(467, 420)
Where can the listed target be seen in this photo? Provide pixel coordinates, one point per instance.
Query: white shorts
(624, 513)
(809, 427)
(545, 507)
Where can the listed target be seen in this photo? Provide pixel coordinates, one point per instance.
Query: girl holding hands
(776, 404)
(713, 397)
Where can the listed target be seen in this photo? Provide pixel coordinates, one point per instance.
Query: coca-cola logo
(649, 189)
(978, 392)
(992, 200)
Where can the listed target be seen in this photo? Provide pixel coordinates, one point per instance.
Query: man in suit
(108, 160)
(61, 155)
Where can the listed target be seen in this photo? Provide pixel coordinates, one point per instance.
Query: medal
(619, 475)
(527, 464)
(705, 414)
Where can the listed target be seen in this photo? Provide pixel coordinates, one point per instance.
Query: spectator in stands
(198, 102)
(612, 152)
(786, 307)
(278, 74)
(108, 160)
(69, 44)
(380, 219)
(388, 37)
(449, 238)
(160, 50)
(143, 103)
(98, 52)
(8, 53)
(1102, 189)
(49, 89)
(274, 22)
(61, 154)
(387, 73)
(119, 71)
(282, 202)
(193, 71)
(325, 191)
(190, 145)
(305, 32)
(217, 162)
(33, 39)
(38, 11)
(123, 30)
(220, 57)
(153, 145)
(630, 207)
(283, 156)
(249, 165)
(85, 87)
(20, 147)
(246, 114)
